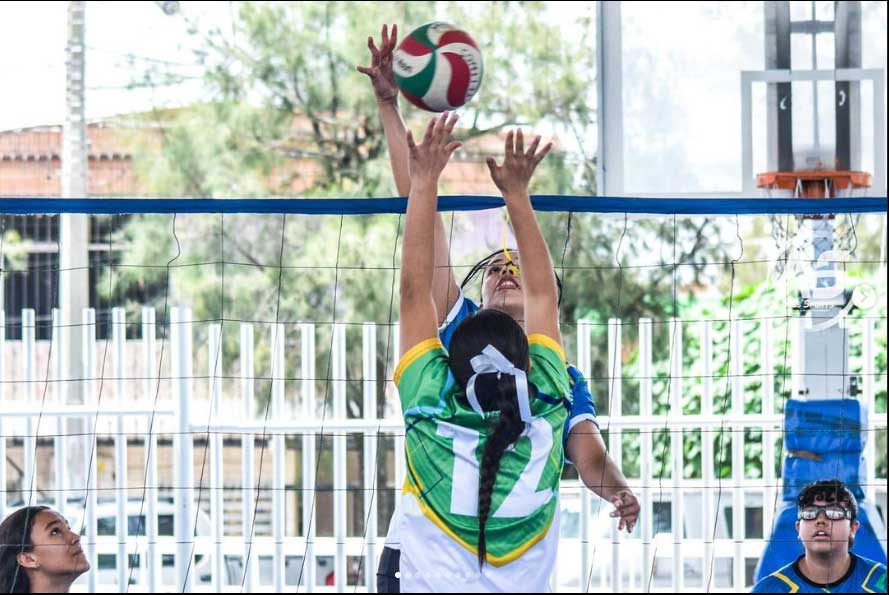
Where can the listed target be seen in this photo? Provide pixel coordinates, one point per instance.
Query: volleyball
(438, 67)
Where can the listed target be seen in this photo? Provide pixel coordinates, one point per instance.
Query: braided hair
(496, 393)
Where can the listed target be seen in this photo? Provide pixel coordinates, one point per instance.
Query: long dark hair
(15, 539)
(491, 327)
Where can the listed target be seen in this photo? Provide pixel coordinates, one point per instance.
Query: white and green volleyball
(438, 67)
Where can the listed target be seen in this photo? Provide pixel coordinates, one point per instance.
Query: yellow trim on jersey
(503, 560)
(867, 578)
(540, 339)
(409, 487)
(793, 586)
(414, 353)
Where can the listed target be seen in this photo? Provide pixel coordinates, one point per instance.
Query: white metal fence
(171, 526)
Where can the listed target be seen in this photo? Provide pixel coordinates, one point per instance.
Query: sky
(32, 56)
(681, 65)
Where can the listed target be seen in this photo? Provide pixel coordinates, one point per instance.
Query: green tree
(286, 109)
(284, 87)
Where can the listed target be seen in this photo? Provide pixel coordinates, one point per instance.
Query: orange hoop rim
(839, 179)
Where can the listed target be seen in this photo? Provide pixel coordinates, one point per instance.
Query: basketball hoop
(812, 184)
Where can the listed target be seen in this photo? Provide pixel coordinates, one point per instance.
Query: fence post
(645, 409)
(770, 493)
(369, 373)
(183, 462)
(736, 369)
(119, 337)
(707, 472)
(29, 444)
(339, 456)
(60, 452)
(150, 389)
(307, 372)
(615, 435)
(279, 450)
(676, 453)
(91, 453)
(247, 445)
(217, 512)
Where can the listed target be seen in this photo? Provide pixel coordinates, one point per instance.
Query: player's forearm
(399, 156)
(444, 286)
(538, 277)
(603, 477)
(417, 258)
(586, 449)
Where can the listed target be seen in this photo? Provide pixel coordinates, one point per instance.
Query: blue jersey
(863, 576)
(582, 407)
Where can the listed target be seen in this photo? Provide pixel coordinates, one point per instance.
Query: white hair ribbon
(491, 360)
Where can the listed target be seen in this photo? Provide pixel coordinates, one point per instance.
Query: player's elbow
(541, 301)
(413, 289)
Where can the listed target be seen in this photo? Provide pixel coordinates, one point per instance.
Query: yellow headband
(511, 266)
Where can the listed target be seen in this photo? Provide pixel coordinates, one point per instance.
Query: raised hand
(380, 69)
(518, 165)
(428, 159)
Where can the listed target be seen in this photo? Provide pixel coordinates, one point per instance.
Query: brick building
(30, 166)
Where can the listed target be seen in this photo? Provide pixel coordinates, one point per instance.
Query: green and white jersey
(444, 442)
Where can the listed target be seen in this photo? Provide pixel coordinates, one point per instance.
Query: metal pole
(74, 230)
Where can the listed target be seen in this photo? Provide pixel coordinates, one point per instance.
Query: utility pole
(73, 281)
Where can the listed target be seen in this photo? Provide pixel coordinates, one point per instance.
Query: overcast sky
(681, 65)
(32, 56)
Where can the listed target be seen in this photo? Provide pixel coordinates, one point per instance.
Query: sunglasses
(833, 513)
